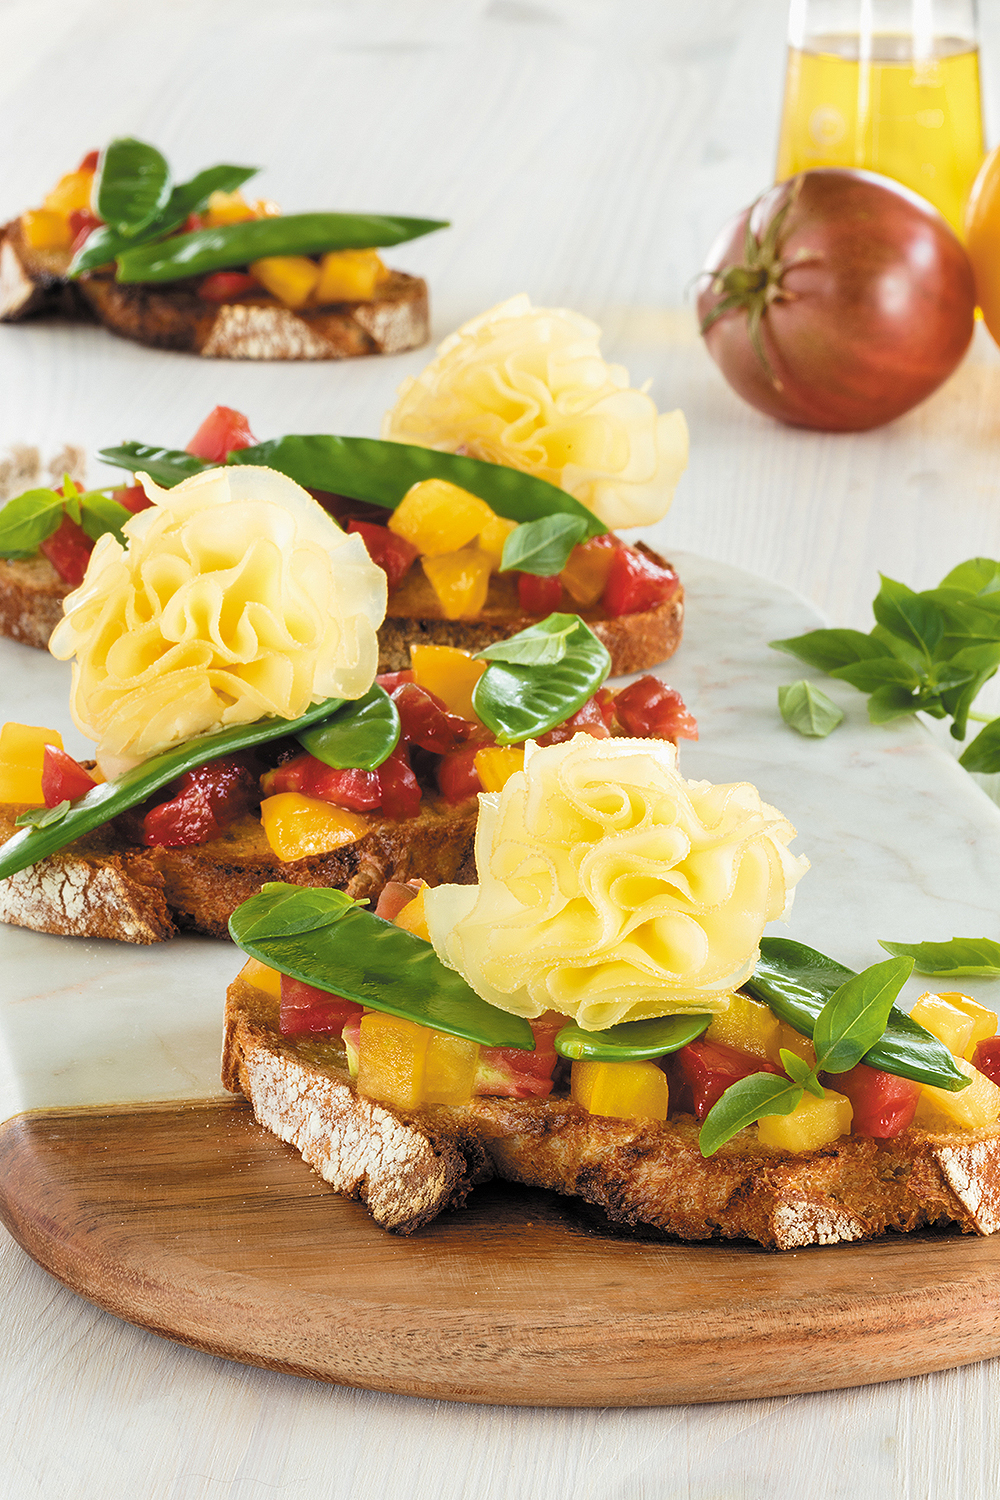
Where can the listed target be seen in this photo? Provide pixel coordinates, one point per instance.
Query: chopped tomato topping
(702, 1071)
(307, 1010)
(587, 720)
(636, 583)
(354, 789)
(223, 286)
(68, 549)
(987, 1058)
(205, 802)
(191, 223)
(649, 709)
(63, 778)
(457, 777)
(400, 789)
(585, 575)
(512, 1073)
(222, 431)
(395, 896)
(390, 681)
(82, 224)
(883, 1104)
(89, 163)
(425, 721)
(538, 596)
(392, 553)
(133, 497)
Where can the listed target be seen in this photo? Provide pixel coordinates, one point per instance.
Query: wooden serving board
(194, 1223)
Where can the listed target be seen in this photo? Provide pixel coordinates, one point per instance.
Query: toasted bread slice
(171, 315)
(408, 1166)
(103, 886)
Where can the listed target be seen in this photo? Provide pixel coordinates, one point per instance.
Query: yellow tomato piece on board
(290, 278)
(228, 208)
(70, 193)
(984, 1020)
(621, 1090)
(450, 674)
(392, 1056)
(413, 917)
(977, 1105)
(812, 1123)
(297, 826)
(349, 276)
(950, 1024)
(461, 581)
(22, 752)
(493, 536)
(746, 1025)
(496, 765)
(45, 230)
(449, 1069)
(437, 517)
(261, 977)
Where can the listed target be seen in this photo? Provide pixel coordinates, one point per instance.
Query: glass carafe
(891, 85)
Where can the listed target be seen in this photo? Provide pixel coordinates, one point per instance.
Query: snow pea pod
(631, 1040)
(228, 245)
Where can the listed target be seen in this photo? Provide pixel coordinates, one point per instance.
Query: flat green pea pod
(631, 1041)
(228, 245)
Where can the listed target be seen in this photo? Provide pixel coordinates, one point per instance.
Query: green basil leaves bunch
(30, 519)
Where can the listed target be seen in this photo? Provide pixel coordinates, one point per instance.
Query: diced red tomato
(987, 1058)
(223, 286)
(702, 1071)
(390, 681)
(89, 163)
(68, 549)
(649, 709)
(205, 802)
(63, 778)
(222, 431)
(605, 700)
(354, 789)
(587, 720)
(191, 223)
(538, 596)
(396, 894)
(425, 721)
(636, 583)
(511, 1073)
(883, 1104)
(133, 497)
(82, 224)
(457, 777)
(308, 1011)
(400, 789)
(392, 553)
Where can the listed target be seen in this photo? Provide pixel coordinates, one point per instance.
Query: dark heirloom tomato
(857, 293)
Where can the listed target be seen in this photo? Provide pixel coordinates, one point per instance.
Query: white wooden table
(586, 150)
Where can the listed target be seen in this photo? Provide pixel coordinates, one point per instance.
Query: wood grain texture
(193, 1223)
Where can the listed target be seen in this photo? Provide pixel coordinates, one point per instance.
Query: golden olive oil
(917, 120)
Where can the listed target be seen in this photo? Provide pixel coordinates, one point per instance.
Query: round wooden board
(196, 1224)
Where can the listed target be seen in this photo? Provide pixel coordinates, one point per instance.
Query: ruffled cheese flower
(613, 890)
(527, 387)
(236, 597)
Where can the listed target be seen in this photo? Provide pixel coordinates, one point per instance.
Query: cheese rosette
(235, 598)
(611, 889)
(527, 387)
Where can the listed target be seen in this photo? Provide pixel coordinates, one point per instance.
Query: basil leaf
(806, 709)
(132, 185)
(631, 1039)
(891, 702)
(954, 960)
(540, 645)
(100, 514)
(42, 817)
(742, 1104)
(375, 963)
(542, 547)
(165, 466)
(980, 662)
(361, 734)
(28, 520)
(828, 649)
(980, 575)
(872, 674)
(294, 909)
(382, 472)
(520, 702)
(796, 982)
(854, 1018)
(112, 797)
(799, 1070)
(228, 245)
(908, 616)
(983, 754)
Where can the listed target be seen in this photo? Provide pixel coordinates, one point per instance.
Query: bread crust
(640, 1173)
(31, 599)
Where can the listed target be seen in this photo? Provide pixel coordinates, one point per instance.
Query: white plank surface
(587, 150)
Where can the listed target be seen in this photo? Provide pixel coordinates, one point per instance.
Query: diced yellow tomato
(413, 917)
(392, 1058)
(449, 1069)
(952, 1026)
(228, 208)
(977, 1105)
(266, 208)
(439, 518)
(496, 765)
(748, 1026)
(70, 193)
(585, 575)
(350, 276)
(461, 581)
(290, 278)
(493, 536)
(984, 1020)
(793, 1041)
(297, 826)
(812, 1123)
(46, 230)
(261, 977)
(450, 674)
(620, 1090)
(22, 752)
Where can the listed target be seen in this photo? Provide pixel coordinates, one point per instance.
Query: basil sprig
(847, 1027)
(796, 982)
(324, 939)
(542, 547)
(30, 519)
(961, 958)
(362, 734)
(805, 708)
(519, 702)
(930, 652)
(132, 185)
(631, 1039)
